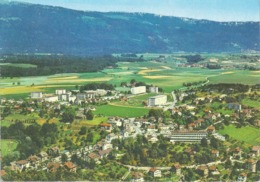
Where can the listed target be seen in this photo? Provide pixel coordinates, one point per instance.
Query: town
(182, 137)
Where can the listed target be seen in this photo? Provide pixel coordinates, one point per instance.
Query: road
(173, 103)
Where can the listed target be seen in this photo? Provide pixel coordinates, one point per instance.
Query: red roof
(22, 162)
(153, 169)
(69, 165)
(2, 172)
(105, 124)
(255, 148)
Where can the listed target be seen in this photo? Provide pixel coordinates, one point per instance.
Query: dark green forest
(55, 64)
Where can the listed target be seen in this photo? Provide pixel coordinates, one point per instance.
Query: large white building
(36, 95)
(138, 90)
(60, 91)
(51, 98)
(188, 136)
(157, 100)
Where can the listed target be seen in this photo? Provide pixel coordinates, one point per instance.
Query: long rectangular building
(138, 90)
(157, 100)
(188, 136)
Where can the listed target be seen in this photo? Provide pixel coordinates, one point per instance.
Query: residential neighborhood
(160, 137)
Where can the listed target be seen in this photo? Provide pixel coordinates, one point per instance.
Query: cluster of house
(52, 159)
(75, 96)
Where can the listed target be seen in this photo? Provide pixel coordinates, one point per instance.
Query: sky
(217, 10)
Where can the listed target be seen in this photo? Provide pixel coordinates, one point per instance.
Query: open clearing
(8, 146)
(111, 110)
(247, 134)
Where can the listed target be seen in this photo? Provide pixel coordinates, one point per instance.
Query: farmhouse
(157, 100)
(138, 90)
(36, 95)
(188, 136)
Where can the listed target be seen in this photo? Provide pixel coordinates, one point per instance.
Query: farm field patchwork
(163, 74)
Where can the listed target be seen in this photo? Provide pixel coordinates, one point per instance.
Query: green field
(121, 111)
(95, 121)
(251, 103)
(7, 146)
(247, 134)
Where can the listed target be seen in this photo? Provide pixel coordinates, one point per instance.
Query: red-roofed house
(155, 172)
(176, 168)
(251, 165)
(256, 150)
(70, 166)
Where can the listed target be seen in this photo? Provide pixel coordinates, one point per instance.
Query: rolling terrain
(29, 28)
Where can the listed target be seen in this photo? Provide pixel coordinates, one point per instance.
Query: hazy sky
(219, 10)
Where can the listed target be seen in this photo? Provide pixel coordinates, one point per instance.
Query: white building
(60, 91)
(138, 90)
(72, 98)
(64, 97)
(101, 92)
(36, 95)
(81, 96)
(51, 99)
(188, 136)
(157, 100)
(153, 89)
(90, 93)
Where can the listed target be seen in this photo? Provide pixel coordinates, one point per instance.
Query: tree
(204, 142)
(132, 81)
(64, 158)
(83, 130)
(7, 111)
(89, 115)
(68, 116)
(90, 137)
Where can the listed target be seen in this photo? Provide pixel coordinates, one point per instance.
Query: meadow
(8, 146)
(246, 134)
(121, 111)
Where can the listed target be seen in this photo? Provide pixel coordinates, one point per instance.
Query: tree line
(47, 65)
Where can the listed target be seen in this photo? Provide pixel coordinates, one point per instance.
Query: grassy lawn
(111, 110)
(7, 146)
(251, 103)
(95, 121)
(136, 101)
(247, 134)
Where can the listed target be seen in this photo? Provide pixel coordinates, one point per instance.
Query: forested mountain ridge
(29, 28)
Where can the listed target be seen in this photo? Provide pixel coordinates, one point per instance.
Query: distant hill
(28, 28)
